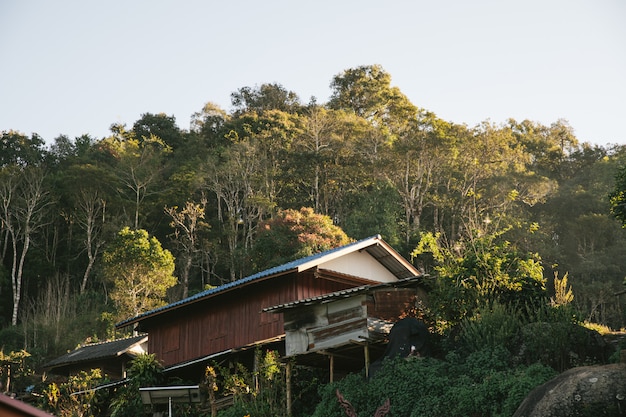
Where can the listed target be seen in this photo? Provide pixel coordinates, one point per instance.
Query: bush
(491, 326)
(561, 345)
(63, 400)
(482, 384)
(145, 371)
(260, 393)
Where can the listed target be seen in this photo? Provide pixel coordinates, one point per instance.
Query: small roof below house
(99, 351)
(383, 258)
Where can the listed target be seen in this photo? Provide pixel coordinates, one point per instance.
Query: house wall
(230, 320)
(391, 303)
(360, 264)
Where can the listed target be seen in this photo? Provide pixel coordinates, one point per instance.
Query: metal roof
(374, 245)
(96, 351)
(325, 298)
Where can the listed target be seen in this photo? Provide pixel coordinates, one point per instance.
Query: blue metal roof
(277, 270)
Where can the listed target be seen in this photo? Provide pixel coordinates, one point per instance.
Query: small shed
(111, 357)
(347, 329)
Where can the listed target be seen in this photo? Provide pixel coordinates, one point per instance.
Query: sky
(76, 67)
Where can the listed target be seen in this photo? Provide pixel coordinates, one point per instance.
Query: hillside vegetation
(493, 212)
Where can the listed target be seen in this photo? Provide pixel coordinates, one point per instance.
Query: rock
(583, 391)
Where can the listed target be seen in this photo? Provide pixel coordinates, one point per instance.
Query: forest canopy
(367, 162)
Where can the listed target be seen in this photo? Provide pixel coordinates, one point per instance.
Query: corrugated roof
(343, 294)
(96, 351)
(374, 245)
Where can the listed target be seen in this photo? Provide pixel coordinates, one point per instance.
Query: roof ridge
(141, 336)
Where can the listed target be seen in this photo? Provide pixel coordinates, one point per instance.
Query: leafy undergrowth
(485, 383)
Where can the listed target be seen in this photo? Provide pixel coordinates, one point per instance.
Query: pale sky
(77, 66)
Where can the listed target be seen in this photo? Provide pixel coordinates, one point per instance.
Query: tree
(187, 223)
(618, 197)
(85, 196)
(145, 371)
(161, 126)
(23, 203)
(294, 234)
(265, 97)
(416, 164)
(139, 165)
(483, 267)
(209, 124)
(367, 91)
(18, 149)
(140, 270)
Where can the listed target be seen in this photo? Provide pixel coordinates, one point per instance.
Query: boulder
(582, 391)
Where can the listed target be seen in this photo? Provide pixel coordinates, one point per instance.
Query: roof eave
(173, 307)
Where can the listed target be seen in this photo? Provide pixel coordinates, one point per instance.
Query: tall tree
(618, 196)
(265, 97)
(293, 234)
(367, 91)
(140, 270)
(482, 267)
(232, 177)
(415, 166)
(161, 126)
(23, 200)
(139, 166)
(19, 149)
(187, 223)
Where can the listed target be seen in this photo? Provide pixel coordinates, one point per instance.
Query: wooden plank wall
(230, 320)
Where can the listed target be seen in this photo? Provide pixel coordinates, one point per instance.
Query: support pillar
(288, 387)
(366, 353)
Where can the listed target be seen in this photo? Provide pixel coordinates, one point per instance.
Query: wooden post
(255, 371)
(288, 387)
(366, 352)
(332, 368)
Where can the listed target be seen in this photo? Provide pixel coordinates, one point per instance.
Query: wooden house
(230, 318)
(111, 357)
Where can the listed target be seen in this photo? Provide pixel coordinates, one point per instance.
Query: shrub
(482, 384)
(491, 326)
(76, 397)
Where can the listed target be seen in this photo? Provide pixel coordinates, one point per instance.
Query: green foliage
(560, 345)
(294, 234)
(140, 270)
(491, 327)
(484, 268)
(370, 161)
(483, 384)
(618, 197)
(375, 209)
(77, 397)
(258, 393)
(145, 371)
(15, 370)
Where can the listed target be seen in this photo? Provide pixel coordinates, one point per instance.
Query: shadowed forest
(482, 205)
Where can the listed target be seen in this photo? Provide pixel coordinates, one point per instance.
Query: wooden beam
(288, 387)
(366, 353)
